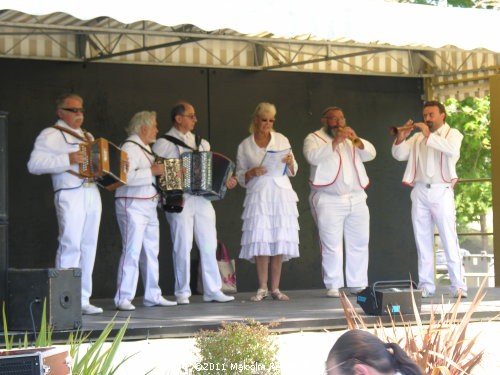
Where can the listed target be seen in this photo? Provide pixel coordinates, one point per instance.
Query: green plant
(95, 361)
(237, 348)
(43, 339)
(9, 340)
(438, 347)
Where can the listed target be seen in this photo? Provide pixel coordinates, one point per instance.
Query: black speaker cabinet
(60, 288)
(23, 364)
(3, 168)
(390, 297)
(35, 361)
(3, 262)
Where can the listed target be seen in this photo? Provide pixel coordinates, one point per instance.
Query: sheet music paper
(273, 162)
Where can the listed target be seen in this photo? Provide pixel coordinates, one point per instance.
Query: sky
(364, 21)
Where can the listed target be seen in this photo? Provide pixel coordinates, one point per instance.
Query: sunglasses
(74, 110)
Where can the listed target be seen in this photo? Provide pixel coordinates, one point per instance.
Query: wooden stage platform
(307, 310)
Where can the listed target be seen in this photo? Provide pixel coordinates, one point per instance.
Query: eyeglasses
(337, 119)
(192, 117)
(74, 110)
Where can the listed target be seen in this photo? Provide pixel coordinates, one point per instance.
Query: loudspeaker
(3, 168)
(22, 364)
(390, 297)
(35, 361)
(3, 261)
(60, 288)
(4, 220)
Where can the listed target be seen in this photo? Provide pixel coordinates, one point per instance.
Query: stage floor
(307, 310)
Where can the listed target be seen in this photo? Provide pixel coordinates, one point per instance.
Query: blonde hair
(261, 109)
(140, 119)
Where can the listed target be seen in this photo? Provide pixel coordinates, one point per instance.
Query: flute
(355, 140)
(395, 130)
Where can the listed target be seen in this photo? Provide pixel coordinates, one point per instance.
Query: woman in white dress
(270, 216)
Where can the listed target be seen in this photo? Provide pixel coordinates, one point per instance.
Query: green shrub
(95, 360)
(237, 348)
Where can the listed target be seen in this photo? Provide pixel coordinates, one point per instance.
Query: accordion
(199, 173)
(206, 173)
(104, 162)
(170, 184)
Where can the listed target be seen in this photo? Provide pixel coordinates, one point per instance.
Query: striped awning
(455, 50)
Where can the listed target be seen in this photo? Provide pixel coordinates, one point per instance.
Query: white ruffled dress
(270, 215)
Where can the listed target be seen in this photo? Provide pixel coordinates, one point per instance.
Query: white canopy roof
(364, 21)
(456, 49)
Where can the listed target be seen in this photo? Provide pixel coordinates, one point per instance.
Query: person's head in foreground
(358, 352)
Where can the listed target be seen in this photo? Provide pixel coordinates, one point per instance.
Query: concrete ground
(299, 353)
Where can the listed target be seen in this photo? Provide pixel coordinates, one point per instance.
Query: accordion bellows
(199, 173)
(105, 162)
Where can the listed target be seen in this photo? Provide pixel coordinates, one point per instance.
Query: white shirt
(167, 149)
(140, 180)
(50, 155)
(250, 155)
(445, 143)
(340, 171)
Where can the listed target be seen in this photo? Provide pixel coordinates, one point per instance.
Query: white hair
(140, 119)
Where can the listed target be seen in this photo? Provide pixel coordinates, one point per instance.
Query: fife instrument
(395, 130)
(355, 140)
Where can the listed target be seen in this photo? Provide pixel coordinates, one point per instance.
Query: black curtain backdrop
(224, 101)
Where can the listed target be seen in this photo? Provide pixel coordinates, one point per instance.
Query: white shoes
(161, 302)
(91, 309)
(457, 292)
(218, 298)
(333, 293)
(183, 300)
(426, 293)
(125, 306)
(354, 291)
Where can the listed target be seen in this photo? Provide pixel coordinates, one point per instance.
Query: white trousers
(78, 215)
(139, 227)
(197, 218)
(338, 218)
(435, 206)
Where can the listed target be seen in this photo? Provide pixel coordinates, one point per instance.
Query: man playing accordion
(197, 217)
(76, 199)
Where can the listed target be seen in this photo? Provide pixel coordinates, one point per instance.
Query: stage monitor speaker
(390, 297)
(3, 168)
(36, 361)
(3, 261)
(60, 288)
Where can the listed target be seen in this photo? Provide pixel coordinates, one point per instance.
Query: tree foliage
(482, 4)
(471, 117)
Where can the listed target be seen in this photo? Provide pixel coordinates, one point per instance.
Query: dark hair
(361, 347)
(62, 99)
(332, 108)
(178, 110)
(435, 103)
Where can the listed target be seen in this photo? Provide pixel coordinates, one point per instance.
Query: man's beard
(331, 131)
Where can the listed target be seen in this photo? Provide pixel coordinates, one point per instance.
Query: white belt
(433, 186)
(88, 182)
